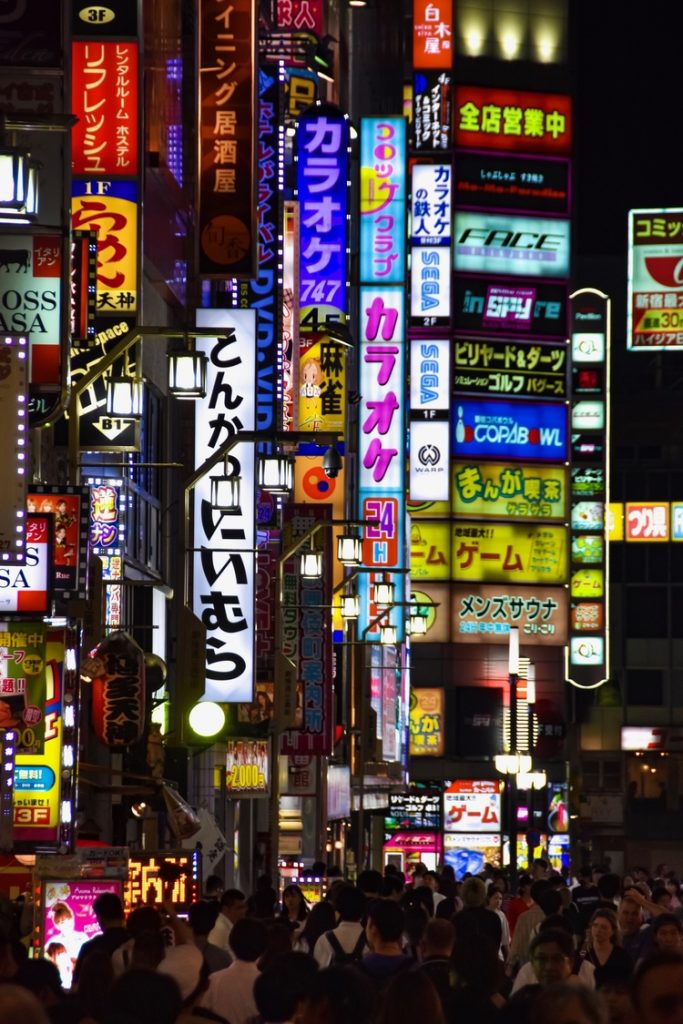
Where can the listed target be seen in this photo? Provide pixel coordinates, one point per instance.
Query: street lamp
(311, 564)
(125, 396)
(275, 473)
(187, 374)
(349, 549)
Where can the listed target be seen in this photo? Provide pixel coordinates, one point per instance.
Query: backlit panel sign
(647, 521)
(510, 368)
(426, 722)
(69, 508)
(430, 286)
(510, 554)
(512, 182)
(104, 98)
(468, 853)
(322, 141)
(162, 876)
(485, 614)
(382, 199)
(528, 122)
(588, 415)
(430, 210)
(520, 430)
(415, 810)
(110, 208)
(322, 383)
(587, 651)
(25, 586)
(300, 15)
(587, 583)
(655, 279)
(432, 91)
(247, 767)
(224, 559)
(509, 491)
(429, 419)
(430, 550)
(472, 806)
(651, 737)
(432, 33)
(30, 300)
(14, 430)
(483, 306)
(227, 137)
(499, 243)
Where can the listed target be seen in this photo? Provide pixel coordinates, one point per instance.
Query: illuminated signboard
(68, 919)
(510, 554)
(485, 614)
(588, 415)
(155, 877)
(104, 99)
(430, 550)
(471, 805)
(588, 549)
(676, 520)
(587, 616)
(587, 583)
(416, 809)
(69, 507)
(322, 383)
(588, 481)
(290, 315)
(25, 586)
(655, 283)
(227, 610)
(430, 285)
(13, 425)
(382, 199)
(432, 33)
(510, 368)
(468, 853)
(247, 767)
(382, 442)
(651, 737)
(38, 771)
(107, 539)
(512, 182)
(509, 491)
(500, 243)
(426, 722)
(300, 15)
(588, 651)
(483, 306)
(322, 142)
(429, 419)
(110, 208)
(614, 519)
(647, 521)
(227, 137)
(521, 430)
(432, 105)
(430, 211)
(437, 598)
(528, 122)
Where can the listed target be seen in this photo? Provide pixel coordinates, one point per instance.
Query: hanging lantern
(125, 397)
(275, 473)
(383, 592)
(187, 374)
(350, 606)
(118, 691)
(349, 549)
(311, 565)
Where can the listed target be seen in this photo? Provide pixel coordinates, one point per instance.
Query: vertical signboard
(383, 199)
(429, 419)
(655, 280)
(587, 654)
(13, 430)
(224, 560)
(382, 445)
(226, 202)
(322, 147)
(432, 34)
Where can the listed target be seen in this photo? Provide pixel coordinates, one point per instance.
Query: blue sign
(322, 143)
(382, 199)
(510, 430)
(34, 777)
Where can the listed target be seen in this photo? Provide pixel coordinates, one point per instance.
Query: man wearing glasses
(551, 961)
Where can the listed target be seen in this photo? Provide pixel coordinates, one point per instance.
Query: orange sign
(432, 34)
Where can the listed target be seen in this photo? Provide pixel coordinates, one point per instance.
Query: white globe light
(207, 718)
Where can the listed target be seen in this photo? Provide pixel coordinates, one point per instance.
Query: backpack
(339, 955)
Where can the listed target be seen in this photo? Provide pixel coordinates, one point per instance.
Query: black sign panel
(106, 19)
(30, 34)
(432, 103)
(523, 368)
(511, 182)
(490, 305)
(418, 811)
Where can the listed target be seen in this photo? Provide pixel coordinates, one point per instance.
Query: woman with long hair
(603, 950)
(294, 908)
(321, 919)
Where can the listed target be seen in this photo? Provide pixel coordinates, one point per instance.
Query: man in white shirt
(351, 906)
(233, 907)
(231, 991)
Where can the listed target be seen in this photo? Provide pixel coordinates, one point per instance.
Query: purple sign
(322, 141)
(482, 305)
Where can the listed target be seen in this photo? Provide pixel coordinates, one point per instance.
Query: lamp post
(511, 784)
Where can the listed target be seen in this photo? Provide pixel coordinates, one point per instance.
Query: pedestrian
(384, 933)
(347, 941)
(658, 989)
(603, 949)
(233, 907)
(409, 997)
(322, 918)
(294, 908)
(231, 991)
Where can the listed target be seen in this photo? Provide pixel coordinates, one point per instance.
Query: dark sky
(629, 115)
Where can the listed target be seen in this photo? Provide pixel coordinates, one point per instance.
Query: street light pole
(511, 781)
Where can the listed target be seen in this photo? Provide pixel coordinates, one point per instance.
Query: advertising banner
(485, 614)
(655, 279)
(322, 383)
(432, 33)
(322, 148)
(470, 805)
(500, 243)
(429, 460)
(110, 208)
(13, 429)
(510, 368)
(467, 853)
(486, 306)
(430, 286)
(224, 560)
(247, 767)
(426, 722)
(647, 521)
(430, 550)
(510, 491)
(416, 810)
(69, 920)
(383, 195)
(519, 430)
(528, 122)
(430, 212)
(25, 586)
(227, 137)
(155, 877)
(510, 554)
(432, 105)
(512, 182)
(104, 99)
(69, 508)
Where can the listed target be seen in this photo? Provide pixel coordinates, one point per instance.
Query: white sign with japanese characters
(471, 805)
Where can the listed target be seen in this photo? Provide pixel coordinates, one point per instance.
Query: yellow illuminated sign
(322, 383)
(115, 219)
(426, 722)
(509, 491)
(615, 520)
(514, 554)
(588, 583)
(430, 550)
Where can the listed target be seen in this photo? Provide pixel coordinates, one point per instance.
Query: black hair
(388, 918)
(202, 916)
(351, 903)
(248, 939)
(282, 986)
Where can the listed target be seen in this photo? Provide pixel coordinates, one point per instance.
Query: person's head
(540, 868)
(148, 951)
(62, 917)
(351, 903)
(294, 902)
(248, 939)
(202, 916)
(569, 1004)
(339, 995)
(19, 1005)
(233, 905)
(494, 898)
(438, 939)
(431, 880)
(603, 928)
(42, 978)
(392, 887)
(585, 874)
(409, 997)
(144, 919)
(385, 923)
(667, 932)
(609, 885)
(415, 920)
(473, 892)
(658, 989)
(109, 910)
(661, 897)
(616, 991)
(214, 887)
(629, 916)
(134, 994)
(321, 919)
(524, 886)
(370, 882)
(281, 987)
(551, 954)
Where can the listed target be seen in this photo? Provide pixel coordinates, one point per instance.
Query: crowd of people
(426, 949)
